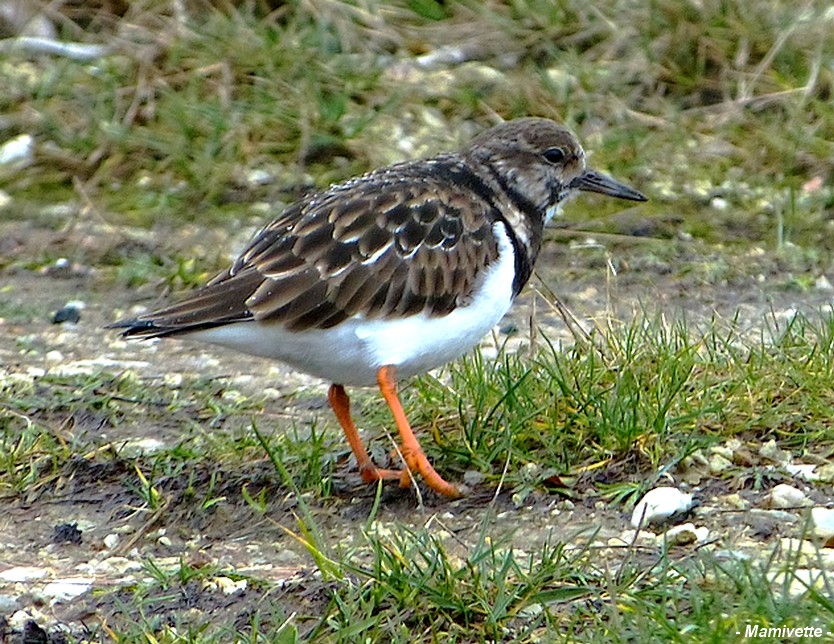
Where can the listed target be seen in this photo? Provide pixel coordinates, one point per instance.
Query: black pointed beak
(593, 181)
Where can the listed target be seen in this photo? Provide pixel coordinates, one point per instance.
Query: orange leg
(340, 403)
(415, 459)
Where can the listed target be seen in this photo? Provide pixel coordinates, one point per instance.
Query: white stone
(271, 393)
(228, 586)
(141, 447)
(111, 541)
(799, 582)
(5, 199)
(786, 496)
(234, 396)
(684, 534)
(822, 521)
(259, 177)
(20, 150)
(531, 610)
(18, 620)
(659, 504)
(23, 573)
(732, 555)
(60, 211)
(66, 589)
(803, 471)
(770, 450)
(724, 450)
(118, 565)
(823, 284)
(172, 379)
(531, 471)
(719, 464)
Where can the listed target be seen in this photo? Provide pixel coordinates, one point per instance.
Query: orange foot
(415, 459)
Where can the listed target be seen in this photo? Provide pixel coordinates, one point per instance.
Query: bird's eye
(554, 155)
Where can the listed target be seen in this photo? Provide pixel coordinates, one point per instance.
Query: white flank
(351, 352)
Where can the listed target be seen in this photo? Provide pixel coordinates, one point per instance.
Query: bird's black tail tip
(134, 327)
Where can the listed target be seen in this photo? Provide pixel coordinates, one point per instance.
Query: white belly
(351, 352)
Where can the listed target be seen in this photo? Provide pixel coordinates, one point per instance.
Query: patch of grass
(400, 581)
(50, 420)
(15, 312)
(175, 602)
(649, 392)
(399, 584)
(418, 585)
(177, 274)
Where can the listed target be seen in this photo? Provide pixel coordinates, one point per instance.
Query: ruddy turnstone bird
(393, 273)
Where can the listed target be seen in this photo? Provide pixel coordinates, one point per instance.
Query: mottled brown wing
(397, 242)
(387, 246)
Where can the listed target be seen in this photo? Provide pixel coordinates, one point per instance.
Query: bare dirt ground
(98, 495)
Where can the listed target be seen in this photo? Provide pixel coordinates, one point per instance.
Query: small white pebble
(822, 521)
(786, 496)
(23, 573)
(473, 477)
(802, 471)
(259, 177)
(141, 447)
(172, 379)
(822, 283)
(65, 589)
(230, 586)
(18, 151)
(19, 619)
(719, 464)
(771, 451)
(659, 504)
(685, 534)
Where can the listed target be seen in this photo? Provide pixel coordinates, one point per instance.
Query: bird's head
(543, 162)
